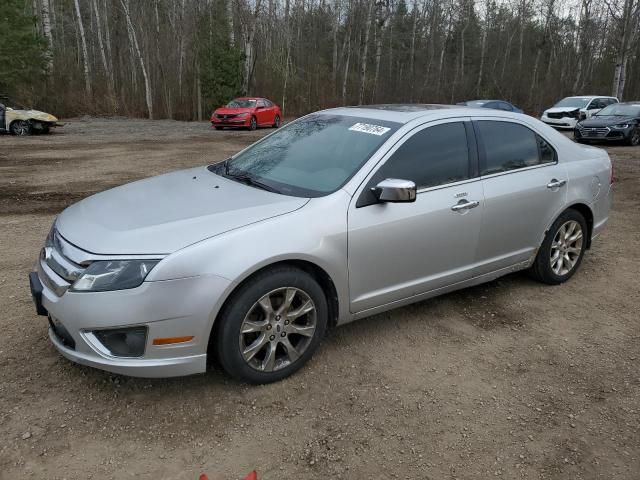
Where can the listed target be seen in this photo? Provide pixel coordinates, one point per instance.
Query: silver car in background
(340, 215)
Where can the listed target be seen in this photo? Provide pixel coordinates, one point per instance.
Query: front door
(262, 113)
(398, 250)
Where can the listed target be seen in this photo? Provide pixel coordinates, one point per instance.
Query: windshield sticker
(368, 128)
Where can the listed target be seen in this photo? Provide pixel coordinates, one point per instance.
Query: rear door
(398, 250)
(524, 190)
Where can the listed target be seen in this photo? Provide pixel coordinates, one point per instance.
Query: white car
(568, 111)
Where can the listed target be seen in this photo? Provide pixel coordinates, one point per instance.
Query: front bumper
(231, 122)
(565, 122)
(172, 308)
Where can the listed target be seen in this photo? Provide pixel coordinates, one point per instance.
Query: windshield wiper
(249, 180)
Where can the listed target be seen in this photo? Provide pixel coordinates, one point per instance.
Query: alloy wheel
(566, 248)
(277, 329)
(635, 137)
(21, 128)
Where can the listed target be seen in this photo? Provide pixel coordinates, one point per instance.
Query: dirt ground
(511, 379)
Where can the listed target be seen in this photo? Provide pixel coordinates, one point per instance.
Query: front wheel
(562, 250)
(276, 122)
(271, 326)
(21, 128)
(634, 138)
(254, 124)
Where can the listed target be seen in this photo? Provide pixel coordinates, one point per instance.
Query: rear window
(510, 146)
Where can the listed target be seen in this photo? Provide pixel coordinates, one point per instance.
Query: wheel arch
(585, 211)
(318, 273)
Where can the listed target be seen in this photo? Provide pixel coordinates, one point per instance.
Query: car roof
(249, 98)
(485, 100)
(404, 113)
(590, 96)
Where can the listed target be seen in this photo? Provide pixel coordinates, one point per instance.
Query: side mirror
(395, 190)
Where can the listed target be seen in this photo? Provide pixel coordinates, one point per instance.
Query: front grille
(57, 269)
(227, 116)
(593, 132)
(557, 115)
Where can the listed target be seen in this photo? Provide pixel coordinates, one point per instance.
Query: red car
(247, 112)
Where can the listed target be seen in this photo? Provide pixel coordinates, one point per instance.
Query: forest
(180, 59)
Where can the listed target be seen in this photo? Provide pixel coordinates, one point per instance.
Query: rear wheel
(634, 138)
(276, 121)
(254, 124)
(272, 325)
(21, 127)
(562, 250)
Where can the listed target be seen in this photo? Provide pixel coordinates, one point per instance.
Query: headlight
(102, 276)
(622, 126)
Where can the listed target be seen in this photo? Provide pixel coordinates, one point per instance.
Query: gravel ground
(511, 379)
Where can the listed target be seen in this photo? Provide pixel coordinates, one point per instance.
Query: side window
(268, 103)
(260, 103)
(505, 106)
(509, 146)
(596, 103)
(433, 156)
(610, 101)
(547, 153)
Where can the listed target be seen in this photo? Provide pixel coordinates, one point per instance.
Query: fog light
(123, 342)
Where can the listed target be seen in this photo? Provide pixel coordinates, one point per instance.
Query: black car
(495, 104)
(617, 122)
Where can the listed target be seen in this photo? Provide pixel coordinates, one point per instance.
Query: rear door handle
(465, 205)
(556, 183)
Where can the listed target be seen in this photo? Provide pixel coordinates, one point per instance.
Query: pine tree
(22, 50)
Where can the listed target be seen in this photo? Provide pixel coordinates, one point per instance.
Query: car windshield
(618, 110)
(241, 103)
(310, 157)
(477, 103)
(574, 102)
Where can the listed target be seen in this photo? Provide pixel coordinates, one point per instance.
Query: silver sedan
(339, 215)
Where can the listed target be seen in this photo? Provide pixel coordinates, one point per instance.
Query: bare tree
(365, 49)
(132, 31)
(85, 54)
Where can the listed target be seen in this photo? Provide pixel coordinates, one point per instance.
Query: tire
(254, 316)
(276, 122)
(634, 138)
(21, 128)
(254, 124)
(218, 128)
(544, 268)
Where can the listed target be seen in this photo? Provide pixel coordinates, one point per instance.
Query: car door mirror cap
(395, 190)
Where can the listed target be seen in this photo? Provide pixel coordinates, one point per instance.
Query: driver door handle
(556, 183)
(465, 205)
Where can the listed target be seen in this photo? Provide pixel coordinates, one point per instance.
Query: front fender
(316, 233)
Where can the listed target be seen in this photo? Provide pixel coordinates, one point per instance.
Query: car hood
(606, 121)
(232, 111)
(562, 109)
(35, 114)
(160, 215)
